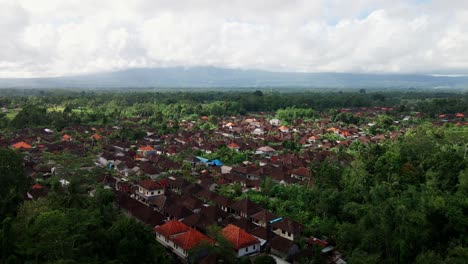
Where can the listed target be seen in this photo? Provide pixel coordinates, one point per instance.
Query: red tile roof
(171, 228)
(37, 186)
(238, 237)
(233, 146)
(66, 137)
(21, 144)
(96, 137)
(316, 241)
(190, 239)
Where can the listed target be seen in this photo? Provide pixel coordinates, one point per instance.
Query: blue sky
(55, 37)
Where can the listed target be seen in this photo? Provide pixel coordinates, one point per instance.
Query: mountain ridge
(211, 77)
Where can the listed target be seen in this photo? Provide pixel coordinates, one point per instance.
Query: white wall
(249, 250)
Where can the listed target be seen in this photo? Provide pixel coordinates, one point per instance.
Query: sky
(69, 37)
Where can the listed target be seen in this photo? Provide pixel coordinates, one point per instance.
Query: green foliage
(398, 202)
(13, 182)
(291, 145)
(264, 259)
(227, 156)
(290, 115)
(92, 231)
(31, 116)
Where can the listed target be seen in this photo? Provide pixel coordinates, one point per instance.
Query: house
(283, 247)
(184, 242)
(284, 129)
(222, 202)
(138, 210)
(66, 137)
(258, 131)
(267, 150)
(95, 137)
(165, 232)
(21, 145)
(145, 151)
(179, 237)
(245, 208)
(263, 234)
(301, 173)
(275, 122)
(233, 146)
(37, 191)
(242, 242)
(287, 228)
(263, 217)
(206, 217)
(148, 189)
(326, 247)
(177, 211)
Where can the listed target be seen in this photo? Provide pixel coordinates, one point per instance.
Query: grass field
(10, 115)
(61, 108)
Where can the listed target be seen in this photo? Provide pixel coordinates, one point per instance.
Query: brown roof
(139, 210)
(246, 206)
(222, 200)
(178, 211)
(289, 225)
(150, 185)
(281, 244)
(264, 216)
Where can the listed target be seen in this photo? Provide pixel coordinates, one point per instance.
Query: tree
(13, 182)
(264, 259)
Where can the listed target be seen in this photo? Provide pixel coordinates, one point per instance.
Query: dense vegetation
(399, 202)
(108, 107)
(67, 226)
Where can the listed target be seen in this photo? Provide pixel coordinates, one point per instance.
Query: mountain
(210, 77)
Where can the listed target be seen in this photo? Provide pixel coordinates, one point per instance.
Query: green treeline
(56, 110)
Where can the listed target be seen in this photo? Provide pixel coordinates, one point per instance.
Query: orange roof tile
(96, 137)
(233, 145)
(171, 228)
(146, 148)
(21, 144)
(238, 237)
(190, 239)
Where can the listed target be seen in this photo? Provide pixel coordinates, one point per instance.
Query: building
(242, 242)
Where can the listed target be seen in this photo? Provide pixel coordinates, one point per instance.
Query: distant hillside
(220, 77)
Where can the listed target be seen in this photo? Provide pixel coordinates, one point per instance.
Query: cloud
(54, 37)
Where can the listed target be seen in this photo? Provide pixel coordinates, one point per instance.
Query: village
(172, 182)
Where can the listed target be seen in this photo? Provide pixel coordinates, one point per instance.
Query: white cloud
(55, 37)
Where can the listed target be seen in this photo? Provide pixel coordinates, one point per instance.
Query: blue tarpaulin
(202, 159)
(217, 162)
(210, 162)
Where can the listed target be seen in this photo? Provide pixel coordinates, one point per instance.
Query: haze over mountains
(211, 77)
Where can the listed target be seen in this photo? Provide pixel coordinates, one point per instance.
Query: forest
(398, 201)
